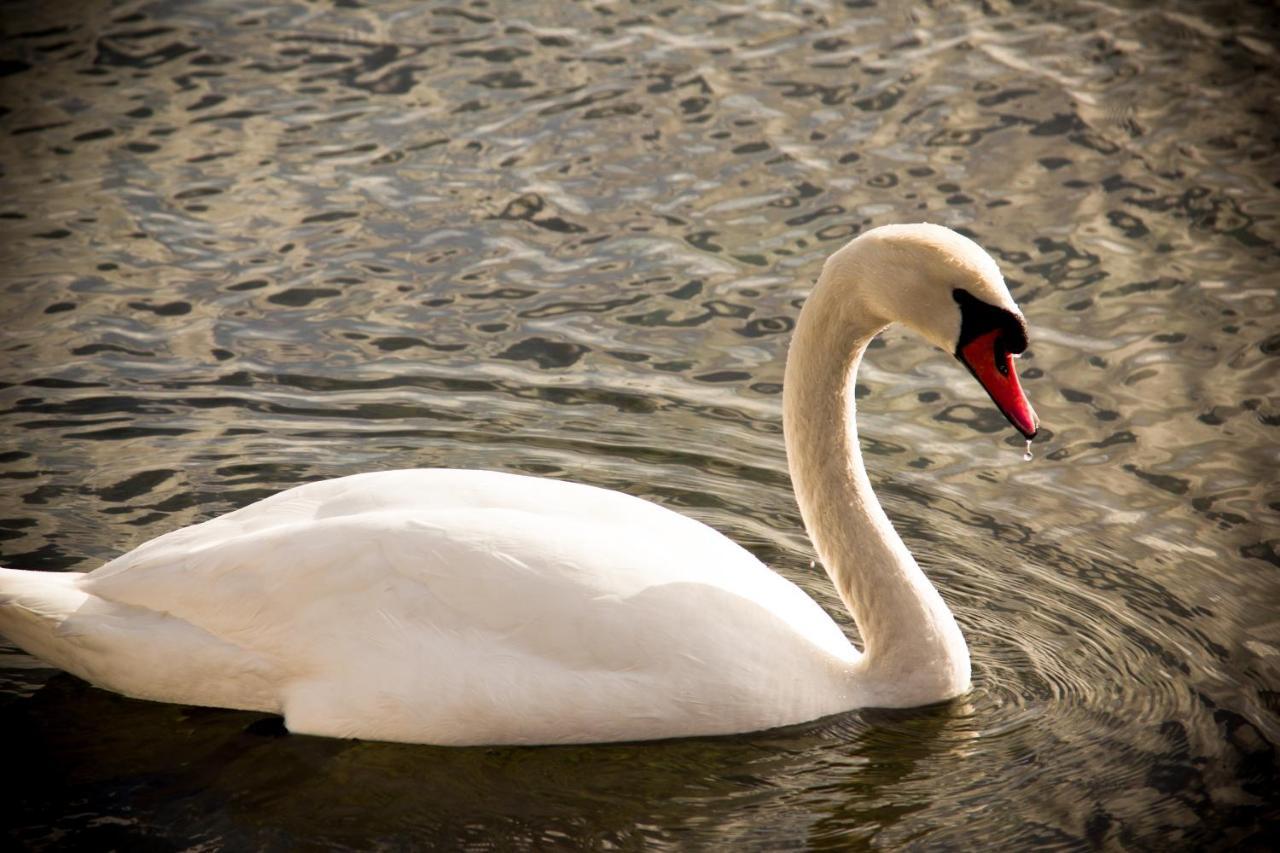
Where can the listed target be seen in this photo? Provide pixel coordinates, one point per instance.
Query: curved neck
(913, 650)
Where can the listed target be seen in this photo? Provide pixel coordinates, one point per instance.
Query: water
(252, 244)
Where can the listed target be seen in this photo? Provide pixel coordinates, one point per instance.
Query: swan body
(475, 607)
(457, 607)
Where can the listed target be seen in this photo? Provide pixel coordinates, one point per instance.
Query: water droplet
(1028, 456)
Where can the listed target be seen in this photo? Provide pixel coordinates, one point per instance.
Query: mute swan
(473, 607)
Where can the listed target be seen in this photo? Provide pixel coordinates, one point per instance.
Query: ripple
(249, 249)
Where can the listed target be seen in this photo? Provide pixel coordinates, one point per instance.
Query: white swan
(472, 607)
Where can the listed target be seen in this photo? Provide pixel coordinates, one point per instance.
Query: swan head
(950, 291)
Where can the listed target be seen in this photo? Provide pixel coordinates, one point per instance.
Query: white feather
(474, 607)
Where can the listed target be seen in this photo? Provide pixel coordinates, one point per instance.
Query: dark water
(247, 245)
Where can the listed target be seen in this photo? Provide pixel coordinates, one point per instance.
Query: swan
(464, 607)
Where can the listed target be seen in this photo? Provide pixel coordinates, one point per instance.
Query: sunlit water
(251, 244)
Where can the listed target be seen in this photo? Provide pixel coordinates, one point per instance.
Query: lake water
(249, 244)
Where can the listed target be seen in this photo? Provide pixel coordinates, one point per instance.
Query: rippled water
(247, 245)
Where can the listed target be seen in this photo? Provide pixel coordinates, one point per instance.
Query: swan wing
(351, 531)
(478, 607)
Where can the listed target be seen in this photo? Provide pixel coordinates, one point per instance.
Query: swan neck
(910, 639)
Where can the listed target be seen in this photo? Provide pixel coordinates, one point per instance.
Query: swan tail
(127, 649)
(33, 608)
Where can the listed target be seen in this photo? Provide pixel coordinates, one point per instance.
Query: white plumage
(470, 607)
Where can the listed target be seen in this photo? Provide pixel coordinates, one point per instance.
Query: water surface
(247, 245)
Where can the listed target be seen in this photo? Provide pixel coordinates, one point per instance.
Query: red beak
(992, 365)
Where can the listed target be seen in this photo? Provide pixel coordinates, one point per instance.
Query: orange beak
(992, 365)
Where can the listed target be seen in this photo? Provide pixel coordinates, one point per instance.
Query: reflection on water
(248, 245)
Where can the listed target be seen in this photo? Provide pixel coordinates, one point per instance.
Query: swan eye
(978, 318)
